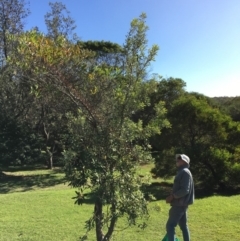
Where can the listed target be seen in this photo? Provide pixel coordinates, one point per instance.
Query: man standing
(182, 195)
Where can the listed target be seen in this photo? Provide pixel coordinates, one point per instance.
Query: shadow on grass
(160, 190)
(207, 192)
(14, 169)
(12, 183)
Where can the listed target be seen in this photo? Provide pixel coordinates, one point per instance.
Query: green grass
(37, 205)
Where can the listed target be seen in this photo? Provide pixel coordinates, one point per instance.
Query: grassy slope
(38, 206)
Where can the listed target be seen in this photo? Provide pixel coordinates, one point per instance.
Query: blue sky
(199, 40)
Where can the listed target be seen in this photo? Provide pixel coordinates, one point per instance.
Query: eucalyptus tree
(12, 15)
(50, 117)
(59, 22)
(48, 121)
(14, 100)
(103, 152)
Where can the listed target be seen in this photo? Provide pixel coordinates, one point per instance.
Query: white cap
(183, 157)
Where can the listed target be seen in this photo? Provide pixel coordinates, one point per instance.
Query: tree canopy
(203, 132)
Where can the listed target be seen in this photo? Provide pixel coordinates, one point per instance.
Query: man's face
(179, 162)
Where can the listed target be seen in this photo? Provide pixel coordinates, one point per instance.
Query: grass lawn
(36, 205)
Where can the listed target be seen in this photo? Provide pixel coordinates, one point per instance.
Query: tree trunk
(98, 219)
(50, 162)
(112, 224)
(48, 151)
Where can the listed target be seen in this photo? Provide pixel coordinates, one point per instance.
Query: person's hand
(169, 198)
